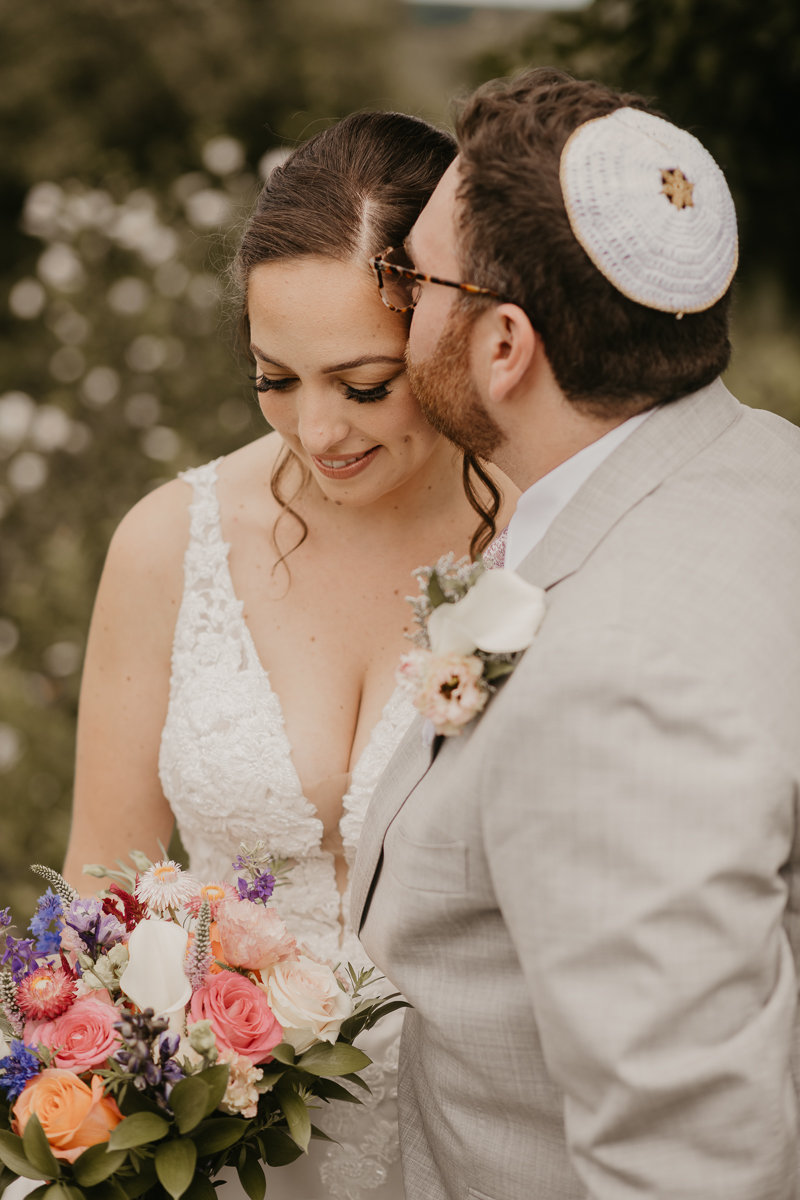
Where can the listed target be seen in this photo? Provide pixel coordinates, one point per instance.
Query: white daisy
(165, 885)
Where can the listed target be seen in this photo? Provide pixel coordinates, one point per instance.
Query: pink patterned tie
(494, 556)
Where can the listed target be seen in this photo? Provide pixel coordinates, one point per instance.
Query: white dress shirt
(539, 506)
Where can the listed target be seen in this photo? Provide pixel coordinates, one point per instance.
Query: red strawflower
(46, 993)
(134, 910)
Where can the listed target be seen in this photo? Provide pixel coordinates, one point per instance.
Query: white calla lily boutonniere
(473, 626)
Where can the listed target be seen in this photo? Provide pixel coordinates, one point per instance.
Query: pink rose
(252, 936)
(84, 1035)
(240, 1016)
(446, 688)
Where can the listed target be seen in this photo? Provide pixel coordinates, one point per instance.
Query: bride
(240, 668)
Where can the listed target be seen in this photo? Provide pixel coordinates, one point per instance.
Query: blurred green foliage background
(134, 134)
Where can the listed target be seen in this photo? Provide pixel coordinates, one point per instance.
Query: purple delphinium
(97, 930)
(5, 918)
(50, 910)
(147, 1054)
(17, 1068)
(259, 890)
(20, 955)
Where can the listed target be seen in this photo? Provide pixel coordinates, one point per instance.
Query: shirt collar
(539, 506)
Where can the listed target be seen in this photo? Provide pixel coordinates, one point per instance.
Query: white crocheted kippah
(652, 210)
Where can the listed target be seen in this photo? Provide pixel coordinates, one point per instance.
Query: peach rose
(73, 1115)
(252, 936)
(84, 1035)
(240, 1016)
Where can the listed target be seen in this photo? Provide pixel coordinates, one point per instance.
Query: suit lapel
(662, 445)
(672, 436)
(409, 763)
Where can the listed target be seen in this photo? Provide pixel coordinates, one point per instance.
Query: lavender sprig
(20, 953)
(147, 1054)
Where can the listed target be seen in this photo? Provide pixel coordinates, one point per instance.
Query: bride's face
(332, 380)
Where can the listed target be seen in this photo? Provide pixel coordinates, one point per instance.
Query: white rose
(155, 976)
(499, 615)
(307, 1000)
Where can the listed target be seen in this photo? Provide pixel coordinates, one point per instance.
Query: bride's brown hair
(348, 193)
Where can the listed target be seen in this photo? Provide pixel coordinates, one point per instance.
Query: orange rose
(73, 1116)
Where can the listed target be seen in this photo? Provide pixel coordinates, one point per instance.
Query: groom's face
(439, 354)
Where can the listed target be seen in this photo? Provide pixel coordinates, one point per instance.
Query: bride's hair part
(346, 194)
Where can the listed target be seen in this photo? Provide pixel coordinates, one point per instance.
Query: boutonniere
(473, 626)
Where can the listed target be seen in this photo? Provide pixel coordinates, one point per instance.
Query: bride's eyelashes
(361, 395)
(368, 395)
(263, 384)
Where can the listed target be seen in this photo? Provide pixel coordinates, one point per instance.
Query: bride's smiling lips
(351, 464)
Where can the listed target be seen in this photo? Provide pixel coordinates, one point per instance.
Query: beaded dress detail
(226, 769)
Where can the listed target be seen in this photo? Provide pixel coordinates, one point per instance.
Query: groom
(591, 897)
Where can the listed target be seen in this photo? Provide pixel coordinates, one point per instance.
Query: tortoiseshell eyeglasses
(400, 284)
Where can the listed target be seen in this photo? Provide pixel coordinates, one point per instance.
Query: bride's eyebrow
(364, 361)
(265, 358)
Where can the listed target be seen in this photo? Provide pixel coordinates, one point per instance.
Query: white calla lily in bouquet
(473, 626)
(164, 1030)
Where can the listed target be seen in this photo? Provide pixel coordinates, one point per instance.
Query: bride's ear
(510, 344)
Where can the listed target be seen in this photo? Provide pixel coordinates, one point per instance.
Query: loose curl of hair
(346, 194)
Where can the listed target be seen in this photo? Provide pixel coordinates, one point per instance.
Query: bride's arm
(119, 805)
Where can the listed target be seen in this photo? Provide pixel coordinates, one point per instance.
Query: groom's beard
(447, 395)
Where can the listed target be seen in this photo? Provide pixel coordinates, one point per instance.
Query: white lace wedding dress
(226, 769)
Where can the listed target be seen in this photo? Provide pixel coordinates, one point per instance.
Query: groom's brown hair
(607, 352)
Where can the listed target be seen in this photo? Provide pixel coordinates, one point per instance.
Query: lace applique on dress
(226, 768)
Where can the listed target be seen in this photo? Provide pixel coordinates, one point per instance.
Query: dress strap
(206, 547)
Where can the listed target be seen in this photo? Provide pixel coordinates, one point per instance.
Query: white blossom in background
(51, 428)
(223, 155)
(67, 364)
(100, 386)
(9, 637)
(27, 298)
(10, 747)
(142, 410)
(161, 444)
(27, 472)
(63, 658)
(208, 208)
(16, 414)
(269, 161)
(128, 295)
(61, 268)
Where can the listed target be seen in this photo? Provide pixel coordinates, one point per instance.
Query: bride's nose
(321, 423)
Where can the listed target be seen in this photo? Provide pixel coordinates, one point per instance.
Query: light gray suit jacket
(592, 897)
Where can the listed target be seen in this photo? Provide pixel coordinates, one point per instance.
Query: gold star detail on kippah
(678, 188)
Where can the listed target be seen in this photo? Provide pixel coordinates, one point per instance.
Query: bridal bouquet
(166, 1030)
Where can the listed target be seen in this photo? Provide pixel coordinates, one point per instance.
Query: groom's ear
(509, 347)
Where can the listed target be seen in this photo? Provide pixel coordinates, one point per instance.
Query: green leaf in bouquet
(220, 1133)
(216, 1080)
(496, 670)
(108, 1189)
(320, 1136)
(134, 1102)
(296, 1113)
(284, 1053)
(332, 1060)
(7, 1177)
(328, 1090)
(96, 1164)
(359, 1082)
(142, 1181)
(200, 1188)
(268, 1080)
(137, 1130)
(279, 1149)
(12, 1153)
(62, 1191)
(189, 1101)
(435, 593)
(175, 1164)
(37, 1149)
(251, 1176)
